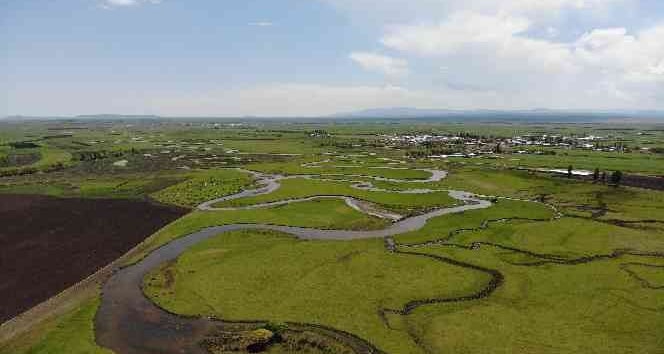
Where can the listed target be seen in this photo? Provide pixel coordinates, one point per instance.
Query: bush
(616, 177)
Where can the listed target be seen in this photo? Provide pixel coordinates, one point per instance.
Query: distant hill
(542, 115)
(116, 116)
(82, 117)
(396, 113)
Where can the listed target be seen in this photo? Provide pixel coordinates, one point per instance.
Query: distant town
(470, 145)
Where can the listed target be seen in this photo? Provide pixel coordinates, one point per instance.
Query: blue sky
(317, 57)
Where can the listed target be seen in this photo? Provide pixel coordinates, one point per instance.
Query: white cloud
(626, 59)
(600, 39)
(261, 24)
(121, 2)
(475, 53)
(498, 52)
(460, 29)
(126, 3)
(490, 48)
(389, 66)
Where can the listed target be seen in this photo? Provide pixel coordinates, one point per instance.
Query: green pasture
(132, 186)
(72, 333)
(627, 162)
(204, 186)
(441, 227)
(48, 158)
(269, 276)
(589, 308)
(571, 196)
(569, 237)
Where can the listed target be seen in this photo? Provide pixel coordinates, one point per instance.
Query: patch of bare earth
(48, 244)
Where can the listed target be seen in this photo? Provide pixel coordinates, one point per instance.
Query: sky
(320, 57)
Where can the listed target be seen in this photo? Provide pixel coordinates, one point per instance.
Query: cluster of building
(419, 139)
(469, 145)
(590, 142)
(517, 144)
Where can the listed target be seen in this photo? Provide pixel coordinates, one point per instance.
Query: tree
(616, 177)
(596, 175)
(569, 171)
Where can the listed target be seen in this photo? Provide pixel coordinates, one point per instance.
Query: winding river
(128, 322)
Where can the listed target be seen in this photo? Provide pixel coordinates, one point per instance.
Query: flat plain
(334, 238)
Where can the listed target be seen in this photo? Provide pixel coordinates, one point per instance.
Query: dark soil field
(48, 244)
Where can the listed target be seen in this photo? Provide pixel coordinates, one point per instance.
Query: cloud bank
(389, 66)
(516, 47)
(127, 3)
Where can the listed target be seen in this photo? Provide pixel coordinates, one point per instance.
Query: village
(470, 145)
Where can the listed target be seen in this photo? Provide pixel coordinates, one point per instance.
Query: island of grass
(297, 188)
(271, 276)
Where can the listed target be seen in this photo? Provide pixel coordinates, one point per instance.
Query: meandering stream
(128, 322)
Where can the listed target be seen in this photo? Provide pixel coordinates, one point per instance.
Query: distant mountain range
(503, 115)
(396, 113)
(82, 117)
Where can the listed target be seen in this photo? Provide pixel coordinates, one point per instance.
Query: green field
(441, 227)
(72, 333)
(204, 186)
(339, 284)
(591, 308)
(131, 185)
(645, 163)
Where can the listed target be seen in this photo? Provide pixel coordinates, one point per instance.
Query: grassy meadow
(72, 333)
(590, 308)
(204, 186)
(270, 276)
(609, 302)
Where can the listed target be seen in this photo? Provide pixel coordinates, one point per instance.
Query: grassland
(72, 333)
(49, 158)
(339, 284)
(204, 186)
(605, 302)
(556, 307)
(590, 308)
(130, 185)
(571, 196)
(571, 237)
(606, 161)
(530, 227)
(442, 226)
